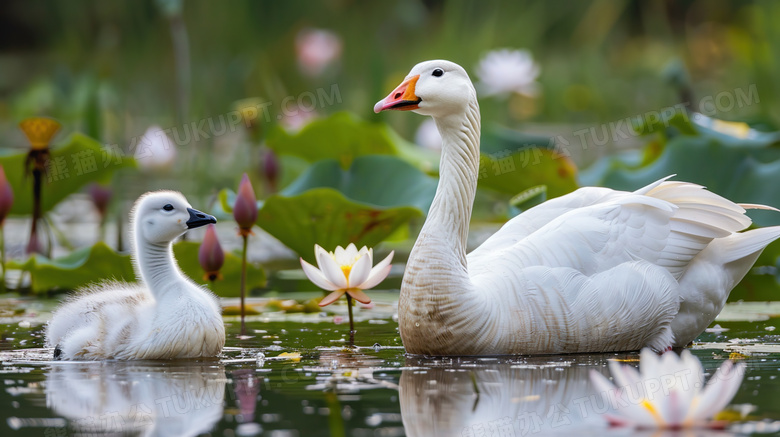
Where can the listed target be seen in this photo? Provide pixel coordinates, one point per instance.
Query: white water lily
(508, 71)
(346, 271)
(668, 391)
(155, 150)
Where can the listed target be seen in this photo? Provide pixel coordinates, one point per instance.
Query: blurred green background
(600, 60)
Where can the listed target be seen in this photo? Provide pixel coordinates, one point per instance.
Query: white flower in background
(668, 391)
(155, 150)
(346, 271)
(508, 71)
(317, 49)
(428, 135)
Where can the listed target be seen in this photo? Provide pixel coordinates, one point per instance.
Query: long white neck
(436, 281)
(450, 212)
(155, 266)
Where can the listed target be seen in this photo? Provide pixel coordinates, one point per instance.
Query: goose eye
(168, 207)
(438, 72)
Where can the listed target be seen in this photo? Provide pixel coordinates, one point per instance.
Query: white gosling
(166, 315)
(595, 270)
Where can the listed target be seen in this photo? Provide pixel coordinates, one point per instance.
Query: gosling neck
(450, 213)
(155, 266)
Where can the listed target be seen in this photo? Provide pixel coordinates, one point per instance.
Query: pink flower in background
(508, 71)
(295, 117)
(101, 196)
(271, 169)
(245, 209)
(6, 196)
(317, 49)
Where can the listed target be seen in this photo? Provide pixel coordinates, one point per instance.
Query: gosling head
(435, 88)
(162, 216)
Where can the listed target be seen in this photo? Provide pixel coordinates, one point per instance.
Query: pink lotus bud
(210, 255)
(245, 209)
(271, 169)
(246, 386)
(101, 196)
(6, 196)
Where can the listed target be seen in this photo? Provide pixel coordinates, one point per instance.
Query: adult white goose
(165, 316)
(595, 270)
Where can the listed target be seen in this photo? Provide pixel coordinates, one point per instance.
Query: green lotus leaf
(79, 161)
(186, 254)
(324, 216)
(329, 206)
(79, 268)
(742, 174)
(344, 137)
(512, 172)
(97, 263)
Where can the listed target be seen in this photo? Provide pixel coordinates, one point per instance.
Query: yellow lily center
(346, 270)
(653, 412)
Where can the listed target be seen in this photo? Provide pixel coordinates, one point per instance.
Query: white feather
(165, 316)
(594, 270)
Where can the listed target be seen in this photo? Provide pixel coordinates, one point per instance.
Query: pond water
(262, 387)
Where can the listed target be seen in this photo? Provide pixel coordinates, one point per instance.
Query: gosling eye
(437, 72)
(168, 207)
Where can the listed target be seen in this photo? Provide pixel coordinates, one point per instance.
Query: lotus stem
(2, 257)
(351, 322)
(34, 244)
(243, 282)
(119, 237)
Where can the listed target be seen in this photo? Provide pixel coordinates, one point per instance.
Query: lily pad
(77, 269)
(330, 206)
(528, 199)
(344, 137)
(99, 262)
(80, 161)
(741, 169)
(512, 172)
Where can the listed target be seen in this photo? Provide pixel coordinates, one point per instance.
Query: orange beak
(402, 98)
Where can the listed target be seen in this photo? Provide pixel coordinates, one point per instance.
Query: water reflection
(181, 399)
(493, 397)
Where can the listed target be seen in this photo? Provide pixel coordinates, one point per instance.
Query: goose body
(165, 316)
(592, 271)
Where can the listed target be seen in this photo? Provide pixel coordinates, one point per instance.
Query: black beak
(198, 219)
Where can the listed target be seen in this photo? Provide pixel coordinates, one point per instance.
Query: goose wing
(665, 223)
